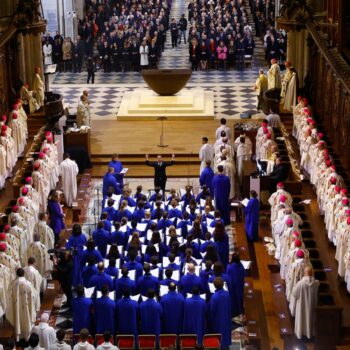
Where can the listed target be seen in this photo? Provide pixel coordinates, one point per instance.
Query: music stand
(161, 143)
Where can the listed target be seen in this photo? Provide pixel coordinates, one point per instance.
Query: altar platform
(188, 104)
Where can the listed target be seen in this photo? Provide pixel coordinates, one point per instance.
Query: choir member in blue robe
(128, 198)
(123, 212)
(220, 313)
(167, 280)
(221, 187)
(76, 244)
(172, 265)
(157, 212)
(147, 219)
(111, 269)
(101, 238)
(147, 282)
(154, 265)
(164, 222)
(105, 312)
(221, 242)
(101, 279)
(219, 271)
(110, 210)
(123, 284)
(81, 311)
(194, 246)
(117, 165)
(153, 197)
(139, 212)
(205, 274)
(127, 315)
(109, 180)
(195, 312)
(56, 214)
(117, 236)
(204, 194)
(151, 315)
(107, 224)
(186, 198)
(190, 280)
(88, 271)
(206, 177)
(173, 310)
(132, 264)
(184, 223)
(89, 252)
(251, 221)
(173, 211)
(110, 195)
(236, 273)
(138, 194)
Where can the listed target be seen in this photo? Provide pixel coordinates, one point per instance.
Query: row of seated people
(219, 34)
(332, 195)
(295, 267)
(13, 139)
(155, 259)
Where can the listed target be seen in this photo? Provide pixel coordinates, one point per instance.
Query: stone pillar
(79, 8)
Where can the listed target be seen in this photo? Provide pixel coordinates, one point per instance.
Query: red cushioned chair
(76, 339)
(147, 341)
(166, 340)
(212, 341)
(125, 342)
(188, 341)
(99, 339)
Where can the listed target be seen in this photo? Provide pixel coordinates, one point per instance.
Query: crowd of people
(295, 267)
(332, 195)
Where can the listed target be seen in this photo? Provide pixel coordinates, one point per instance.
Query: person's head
(191, 268)
(172, 287)
(150, 293)
(80, 290)
(168, 272)
(90, 244)
(111, 170)
(308, 271)
(100, 267)
(220, 169)
(125, 271)
(261, 71)
(104, 290)
(66, 155)
(159, 158)
(146, 268)
(253, 194)
(204, 140)
(84, 335)
(235, 258)
(20, 272)
(60, 334)
(44, 318)
(223, 121)
(242, 139)
(33, 340)
(107, 336)
(218, 268)
(218, 283)
(76, 230)
(31, 260)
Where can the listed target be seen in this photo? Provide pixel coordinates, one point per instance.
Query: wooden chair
(146, 341)
(188, 341)
(166, 340)
(212, 341)
(125, 342)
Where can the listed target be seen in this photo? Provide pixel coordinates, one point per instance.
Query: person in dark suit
(279, 174)
(159, 170)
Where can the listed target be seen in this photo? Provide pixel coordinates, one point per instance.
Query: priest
(206, 153)
(69, 171)
(45, 232)
(243, 153)
(39, 87)
(33, 275)
(221, 188)
(274, 76)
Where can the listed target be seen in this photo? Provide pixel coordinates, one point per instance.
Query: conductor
(159, 170)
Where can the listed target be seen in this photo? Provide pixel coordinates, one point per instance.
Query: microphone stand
(98, 201)
(161, 143)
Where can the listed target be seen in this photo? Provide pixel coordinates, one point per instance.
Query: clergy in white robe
(46, 333)
(347, 269)
(32, 192)
(10, 249)
(47, 53)
(28, 98)
(44, 231)
(305, 295)
(22, 305)
(223, 127)
(274, 76)
(206, 153)
(343, 240)
(33, 275)
(41, 184)
(285, 80)
(7, 141)
(291, 93)
(39, 87)
(69, 171)
(18, 134)
(273, 119)
(243, 153)
(14, 242)
(4, 172)
(83, 112)
(5, 281)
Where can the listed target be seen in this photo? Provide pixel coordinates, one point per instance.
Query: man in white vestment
(39, 87)
(33, 275)
(41, 184)
(22, 304)
(83, 112)
(44, 231)
(8, 260)
(223, 127)
(206, 153)
(274, 76)
(47, 52)
(290, 99)
(285, 80)
(5, 280)
(18, 134)
(274, 119)
(305, 295)
(84, 344)
(243, 153)
(69, 171)
(60, 344)
(27, 97)
(21, 235)
(46, 333)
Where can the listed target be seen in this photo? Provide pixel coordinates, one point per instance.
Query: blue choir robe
(105, 315)
(167, 281)
(195, 310)
(134, 265)
(101, 238)
(175, 213)
(118, 238)
(207, 216)
(251, 221)
(111, 211)
(122, 214)
(206, 178)
(173, 312)
(87, 254)
(163, 224)
(149, 223)
(118, 167)
(224, 276)
(76, 243)
(147, 282)
(151, 315)
(222, 247)
(81, 314)
(123, 284)
(160, 271)
(138, 214)
(107, 225)
(99, 280)
(236, 274)
(86, 273)
(220, 316)
(173, 266)
(183, 226)
(188, 281)
(213, 223)
(130, 200)
(221, 187)
(109, 180)
(127, 316)
(204, 275)
(112, 271)
(187, 199)
(56, 217)
(156, 214)
(202, 195)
